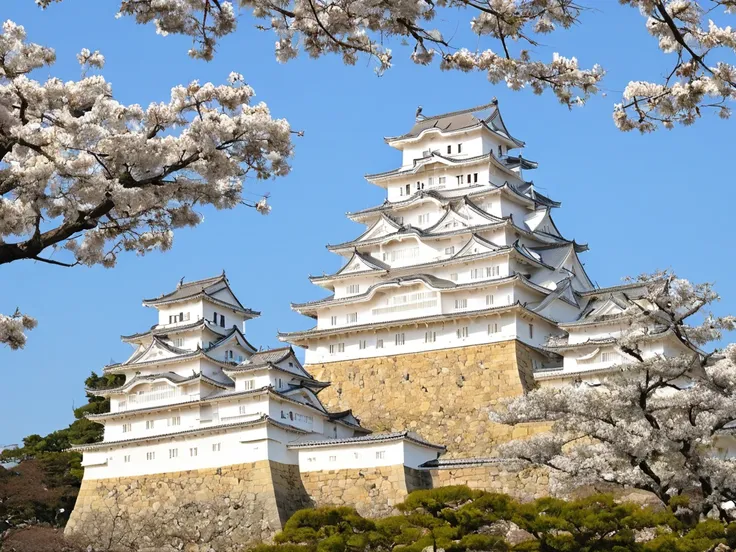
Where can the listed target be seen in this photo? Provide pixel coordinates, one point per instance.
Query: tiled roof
(450, 463)
(420, 162)
(487, 115)
(525, 191)
(429, 279)
(201, 288)
(367, 439)
(169, 330)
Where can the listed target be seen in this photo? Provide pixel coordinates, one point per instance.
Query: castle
(460, 292)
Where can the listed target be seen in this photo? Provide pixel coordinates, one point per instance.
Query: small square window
(380, 454)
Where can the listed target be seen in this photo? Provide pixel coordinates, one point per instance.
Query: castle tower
(447, 298)
(206, 429)
(198, 395)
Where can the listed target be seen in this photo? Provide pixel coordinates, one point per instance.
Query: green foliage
(457, 519)
(56, 468)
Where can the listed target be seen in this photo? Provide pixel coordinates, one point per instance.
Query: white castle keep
(463, 252)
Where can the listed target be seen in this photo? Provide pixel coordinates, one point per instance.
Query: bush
(458, 519)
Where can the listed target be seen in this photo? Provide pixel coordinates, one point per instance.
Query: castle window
(175, 421)
(126, 458)
(380, 454)
(173, 453)
(492, 271)
(333, 458)
(462, 333)
(453, 276)
(500, 151)
(430, 337)
(468, 178)
(179, 342)
(401, 190)
(459, 179)
(423, 219)
(379, 344)
(149, 424)
(249, 384)
(150, 456)
(351, 318)
(127, 428)
(461, 303)
(609, 357)
(459, 148)
(222, 320)
(442, 180)
(215, 317)
(362, 344)
(408, 189)
(489, 300)
(450, 250)
(216, 447)
(340, 347)
(475, 178)
(193, 451)
(476, 273)
(181, 317)
(449, 150)
(228, 355)
(242, 409)
(531, 331)
(332, 349)
(492, 328)
(333, 320)
(399, 339)
(353, 289)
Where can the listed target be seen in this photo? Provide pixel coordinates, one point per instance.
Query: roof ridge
(492, 103)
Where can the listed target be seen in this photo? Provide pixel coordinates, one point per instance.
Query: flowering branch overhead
(89, 177)
(352, 28)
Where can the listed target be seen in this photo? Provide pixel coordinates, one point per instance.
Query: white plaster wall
(348, 457)
(232, 451)
(193, 308)
(414, 338)
(367, 455)
(472, 142)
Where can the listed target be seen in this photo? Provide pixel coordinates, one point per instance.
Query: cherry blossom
(84, 177)
(684, 30)
(656, 423)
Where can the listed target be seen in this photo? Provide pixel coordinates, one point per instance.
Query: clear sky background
(640, 202)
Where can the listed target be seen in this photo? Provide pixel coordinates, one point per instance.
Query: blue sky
(640, 202)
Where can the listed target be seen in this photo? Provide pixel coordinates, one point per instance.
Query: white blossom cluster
(13, 329)
(353, 27)
(656, 422)
(685, 29)
(91, 177)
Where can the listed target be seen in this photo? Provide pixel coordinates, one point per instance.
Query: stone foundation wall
(372, 492)
(228, 508)
(525, 485)
(443, 395)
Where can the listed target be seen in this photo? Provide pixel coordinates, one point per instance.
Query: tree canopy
(656, 420)
(87, 177)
